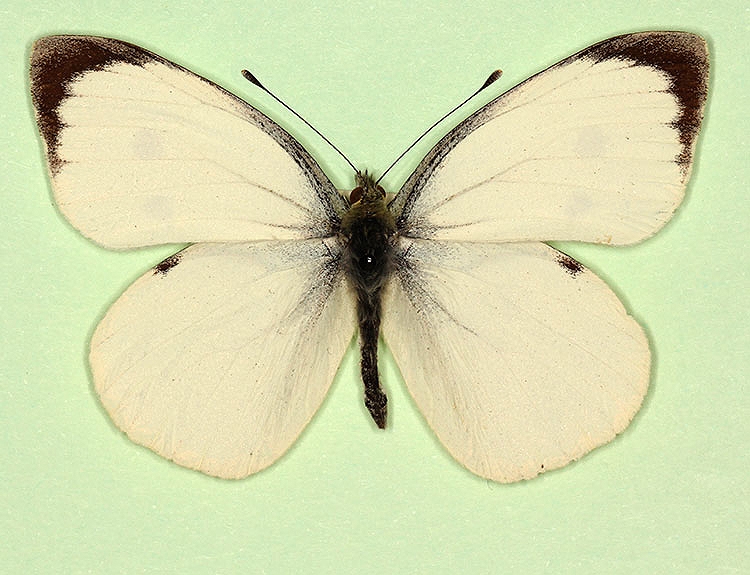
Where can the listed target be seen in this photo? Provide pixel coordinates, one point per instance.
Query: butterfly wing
(596, 148)
(219, 356)
(142, 151)
(519, 358)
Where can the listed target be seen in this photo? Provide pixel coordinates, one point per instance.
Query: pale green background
(669, 496)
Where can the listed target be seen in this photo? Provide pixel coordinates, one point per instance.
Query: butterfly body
(369, 229)
(519, 357)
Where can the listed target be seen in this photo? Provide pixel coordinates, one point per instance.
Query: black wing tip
(683, 57)
(56, 61)
(86, 52)
(645, 47)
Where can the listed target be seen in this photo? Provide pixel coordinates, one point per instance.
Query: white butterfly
(520, 359)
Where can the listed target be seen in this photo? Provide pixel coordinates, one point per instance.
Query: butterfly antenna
(489, 81)
(251, 78)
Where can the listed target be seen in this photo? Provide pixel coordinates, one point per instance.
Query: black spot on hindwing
(570, 265)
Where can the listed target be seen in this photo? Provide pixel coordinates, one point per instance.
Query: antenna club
(252, 79)
(494, 77)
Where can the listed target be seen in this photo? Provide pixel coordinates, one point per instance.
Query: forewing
(597, 148)
(142, 151)
(519, 358)
(219, 356)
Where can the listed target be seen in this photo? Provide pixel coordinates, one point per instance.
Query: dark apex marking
(569, 264)
(683, 57)
(56, 61)
(166, 265)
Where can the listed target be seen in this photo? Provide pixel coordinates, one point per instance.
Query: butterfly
(520, 359)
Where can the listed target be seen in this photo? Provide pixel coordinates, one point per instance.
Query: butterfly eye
(355, 195)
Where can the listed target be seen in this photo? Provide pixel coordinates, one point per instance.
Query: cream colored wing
(519, 358)
(219, 356)
(597, 148)
(141, 151)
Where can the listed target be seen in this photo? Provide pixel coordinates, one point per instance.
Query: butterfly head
(367, 202)
(367, 190)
